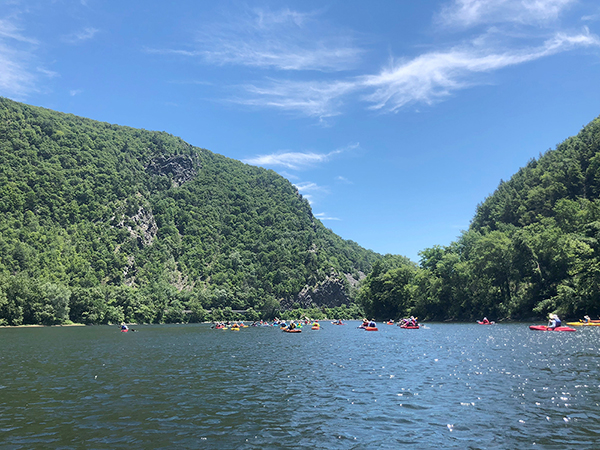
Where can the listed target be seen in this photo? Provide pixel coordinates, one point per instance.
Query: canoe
(583, 324)
(371, 329)
(546, 328)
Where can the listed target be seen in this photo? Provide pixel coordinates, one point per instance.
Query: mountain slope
(102, 223)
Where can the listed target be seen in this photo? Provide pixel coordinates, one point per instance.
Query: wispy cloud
(80, 36)
(325, 216)
(17, 77)
(342, 179)
(296, 160)
(309, 186)
(433, 76)
(309, 98)
(309, 189)
(74, 92)
(468, 13)
(283, 40)
(10, 30)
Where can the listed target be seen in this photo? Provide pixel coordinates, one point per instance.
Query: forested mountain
(103, 223)
(532, 248)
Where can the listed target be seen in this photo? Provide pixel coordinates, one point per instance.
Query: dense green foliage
(533, 247)
(89, 233)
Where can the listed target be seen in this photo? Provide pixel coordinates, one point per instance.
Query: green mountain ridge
(102, 223)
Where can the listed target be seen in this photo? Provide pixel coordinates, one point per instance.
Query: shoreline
(42, 326)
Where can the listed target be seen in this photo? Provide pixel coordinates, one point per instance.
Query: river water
(190, 386)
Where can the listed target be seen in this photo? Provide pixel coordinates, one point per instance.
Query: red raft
(546, 328)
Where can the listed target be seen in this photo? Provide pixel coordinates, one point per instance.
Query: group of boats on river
(411, 323)
(296, 326)
(554, 324)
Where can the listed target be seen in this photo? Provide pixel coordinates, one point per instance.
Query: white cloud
(310, 98)
(468, 13)
(296, 160)
(17, 78)
(80, 36)
(309, 186)
(291, 160)
(433, 76)
(324, 216)
(10, 30)
(283, 40)
(342, 179)
(75, 92)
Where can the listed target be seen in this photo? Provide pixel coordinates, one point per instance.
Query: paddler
(124, 327)
(554, 322)
(485, 320)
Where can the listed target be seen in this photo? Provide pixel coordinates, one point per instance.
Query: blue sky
(394, 118)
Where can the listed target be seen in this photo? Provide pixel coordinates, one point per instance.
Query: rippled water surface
(187, 386)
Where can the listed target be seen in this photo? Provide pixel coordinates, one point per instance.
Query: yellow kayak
(583, 324)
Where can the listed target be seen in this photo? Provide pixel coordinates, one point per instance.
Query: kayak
(295, 330)
(486, 323)
(235, 329)
(124, 331)
(410, 327)
(546, 328)
(315, 328)
(583, 324)
(371, 329)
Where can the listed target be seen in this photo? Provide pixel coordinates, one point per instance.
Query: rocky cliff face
(180, 168)
(329, 293)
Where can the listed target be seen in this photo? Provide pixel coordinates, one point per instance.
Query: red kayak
(486, 323)
(371, 329)
(546, 328)
(410, 327)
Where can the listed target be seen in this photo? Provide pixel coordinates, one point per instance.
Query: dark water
(446, 386)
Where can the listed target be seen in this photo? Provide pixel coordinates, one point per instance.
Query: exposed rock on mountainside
(180, 168)
(329, 293)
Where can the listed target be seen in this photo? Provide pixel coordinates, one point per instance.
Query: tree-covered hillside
(533, 247)
(102, 223)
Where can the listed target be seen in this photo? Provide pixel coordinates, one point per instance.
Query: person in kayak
(124, 327)
(485, 320)
(372, 324)
(586, 319)
(554, 322)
